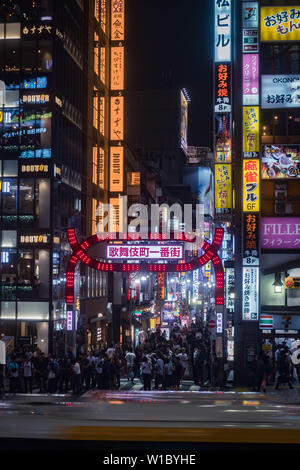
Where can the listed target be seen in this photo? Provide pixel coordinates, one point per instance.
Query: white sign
(250, 293)
(69, 320)
(222, 30)
(250, 14)
(220, 323)
(145, 252)
(230, 283)
(280, 91)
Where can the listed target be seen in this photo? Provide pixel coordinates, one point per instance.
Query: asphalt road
(136, 416)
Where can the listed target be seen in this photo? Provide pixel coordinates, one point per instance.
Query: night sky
(169, 45)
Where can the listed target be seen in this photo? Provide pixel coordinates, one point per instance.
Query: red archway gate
(79, 255)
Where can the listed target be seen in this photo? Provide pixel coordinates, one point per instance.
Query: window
(9, 196)
(28, 55)
(26, 197)
(9, 239)
(10, 168)
(12, 58)
(45, 61)
(13, 31)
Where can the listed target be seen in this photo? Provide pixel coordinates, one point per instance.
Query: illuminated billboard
(222, 30)
(117, 118)
(250, 79)
(251, 186)
(223, 88)
(280, 91)
(116, 169)
(223, 186)
(250, 293)
(117, 68)
(280, 23)
(117, 20)
(280, 161)
(251, 131)
(280, 233)
(184, 122)
(223, 138)
(145, 252)
(250, 14)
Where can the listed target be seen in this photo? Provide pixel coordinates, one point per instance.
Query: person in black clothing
(64, 375)
(284, 369)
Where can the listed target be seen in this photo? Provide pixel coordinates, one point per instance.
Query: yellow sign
(251, 180)
(251, 129)
(223, 186)
(117, 20)
(117, 118)
(116, 169)
(280, 23)
(117, 68)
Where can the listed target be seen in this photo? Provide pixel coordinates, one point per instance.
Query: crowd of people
(280, 371)
(159, 363)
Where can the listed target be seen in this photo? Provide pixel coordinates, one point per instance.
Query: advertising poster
(280, 91)
(230, 284)
(184, 122)
(251, 186)
(201, 181)
(251, 131)
(250, 79)
(280, 161)
(250, 293)
(223, 138)
(223, 186)
(116, 169)
(280, 232)
(223, 87)
(280, 23)
(250, 14)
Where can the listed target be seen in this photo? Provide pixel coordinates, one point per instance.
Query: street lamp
(277, 284)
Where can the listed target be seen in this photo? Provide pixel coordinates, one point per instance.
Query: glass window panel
(10, 168)
(9, 196)
(12, 58)
(13, 31)
(1, 30)
(45, 61)
(8, 310)
(33, 311)
(26, 196)
(9, 239)
(8, 274)
(29, 55)
(25, 275)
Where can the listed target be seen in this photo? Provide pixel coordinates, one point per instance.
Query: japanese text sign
(223, 87)
(251, 239)
(250, 293)
(145, 252)
(280, 91)
(117, 118)
(251, 131)
(280, 233)
(280, 23)
(222, 30)
(250, 79)
(116, 169)
(222, 186)
(117, 20)
(251, 186)
(117, 68)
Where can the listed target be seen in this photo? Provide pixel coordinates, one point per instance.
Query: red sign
(211, 324)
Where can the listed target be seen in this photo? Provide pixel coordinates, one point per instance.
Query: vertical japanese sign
(223, 186)
(222, 30)
(251, 240)
(251, 293)
(184, 121)
(230, 285)
(223, 87)
(251, 131)
(251, 186)
(250, 79)
(222, 106)
(117, 96)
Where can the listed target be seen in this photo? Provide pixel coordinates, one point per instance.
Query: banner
(250, 79)
(280, 232)
(280, 23)
(251, 131)
(223, 138)
(250, 293)
(251, 186)
(223, 88)
(280, 91)
(251, 240)
(280, 161)
(223, 186)
(222, 30)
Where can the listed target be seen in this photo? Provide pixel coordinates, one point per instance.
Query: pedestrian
(28, 374)
(159, 372)
(146, 370)
(13, 372)
(284, 369)
(130, 363)
(76, 377)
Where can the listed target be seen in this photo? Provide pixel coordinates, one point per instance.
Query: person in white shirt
(130, 360)
(184, 360)
(159, 372)
(76, 376)
(110, 351)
